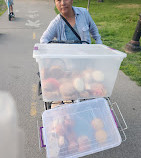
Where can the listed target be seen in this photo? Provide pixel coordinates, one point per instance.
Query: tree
(88, 5)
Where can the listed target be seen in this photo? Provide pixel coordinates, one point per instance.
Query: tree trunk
(134, 44)
(88, 5)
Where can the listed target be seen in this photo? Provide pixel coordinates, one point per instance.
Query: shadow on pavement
(2, 35)
(3, 38)
(18, 19)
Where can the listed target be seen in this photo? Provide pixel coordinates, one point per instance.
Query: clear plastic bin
(79, 129)
(77, 71)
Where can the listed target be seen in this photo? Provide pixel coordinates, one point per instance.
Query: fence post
(134, 44)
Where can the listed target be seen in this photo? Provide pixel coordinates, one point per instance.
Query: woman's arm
(93, 29)
(50, 32)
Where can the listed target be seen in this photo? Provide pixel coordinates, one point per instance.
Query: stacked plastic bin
(71, 72)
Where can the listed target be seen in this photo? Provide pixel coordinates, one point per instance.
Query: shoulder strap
(76, 34)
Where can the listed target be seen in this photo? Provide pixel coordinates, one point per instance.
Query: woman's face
(64, 6)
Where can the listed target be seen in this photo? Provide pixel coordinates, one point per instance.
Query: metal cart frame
(119, 119)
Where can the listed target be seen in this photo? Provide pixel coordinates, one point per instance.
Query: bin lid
(75, 51)
(79, 129)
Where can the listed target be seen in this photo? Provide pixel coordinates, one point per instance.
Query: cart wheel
(48, 105)
(9, 17)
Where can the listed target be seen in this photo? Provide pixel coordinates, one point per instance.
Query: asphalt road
(18, 76)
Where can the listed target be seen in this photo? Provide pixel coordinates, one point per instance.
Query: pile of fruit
(68, 141)
(59, 84)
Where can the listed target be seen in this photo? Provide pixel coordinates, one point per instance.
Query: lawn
(2, 7)
(116, 21)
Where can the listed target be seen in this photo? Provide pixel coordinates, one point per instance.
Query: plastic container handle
(41, 138)
(114, 118)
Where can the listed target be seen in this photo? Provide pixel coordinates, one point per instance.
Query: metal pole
(134, 44)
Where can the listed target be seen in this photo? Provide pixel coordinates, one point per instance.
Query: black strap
(76, 34)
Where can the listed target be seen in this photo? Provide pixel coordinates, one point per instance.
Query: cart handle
(122, 129)
(118, 122)
(68, 42)
(41, 138)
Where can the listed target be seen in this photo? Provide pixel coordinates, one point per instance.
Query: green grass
(116, 21)
(3, 7)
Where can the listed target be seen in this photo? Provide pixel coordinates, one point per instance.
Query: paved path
(18, 75)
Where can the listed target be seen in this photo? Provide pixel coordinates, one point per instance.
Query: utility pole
(134, 44)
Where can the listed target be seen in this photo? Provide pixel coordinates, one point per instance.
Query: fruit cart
(80, 78)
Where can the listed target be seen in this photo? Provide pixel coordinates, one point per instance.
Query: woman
(10, 6)
(78, 18)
